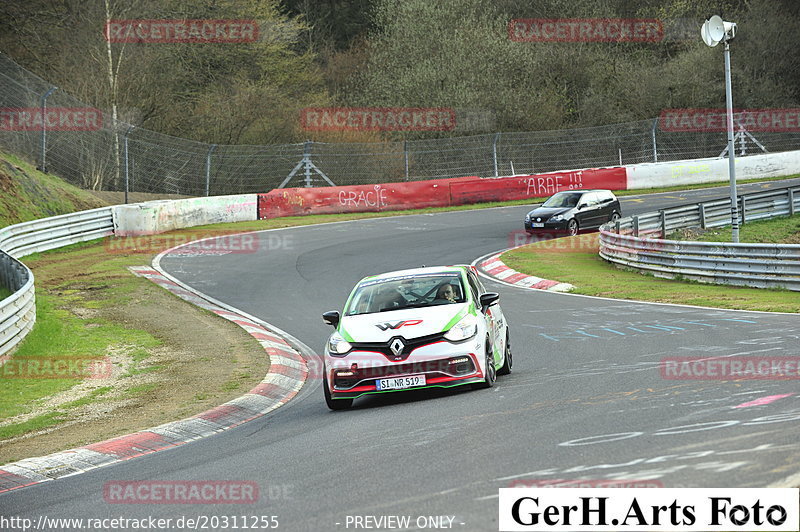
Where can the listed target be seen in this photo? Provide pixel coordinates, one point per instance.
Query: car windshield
(409, 291)
(563, 199)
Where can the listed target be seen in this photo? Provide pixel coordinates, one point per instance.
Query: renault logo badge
(396, 346)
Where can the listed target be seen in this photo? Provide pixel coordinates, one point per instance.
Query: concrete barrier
(159, 216)
(695, 171)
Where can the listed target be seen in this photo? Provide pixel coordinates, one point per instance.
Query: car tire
(508, 359)
(490, 375)
(334, 404)
(614, 217)
(572, 227)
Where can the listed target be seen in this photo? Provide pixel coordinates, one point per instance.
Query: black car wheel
(491, 371)
(508, 359)
(572, 227)
(614, 216)
(334, 404)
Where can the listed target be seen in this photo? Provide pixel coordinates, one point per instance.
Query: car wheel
(334, 404)
(490, 375)
(572, 227)
(508, 360)
(614, 217)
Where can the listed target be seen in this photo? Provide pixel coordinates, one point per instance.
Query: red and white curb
(496, 268)
(287, 373)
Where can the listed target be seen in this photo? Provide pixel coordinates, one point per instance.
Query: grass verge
(575, 260)
(783, 230)
(159, 358)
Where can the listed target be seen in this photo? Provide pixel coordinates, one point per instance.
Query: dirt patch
(202, 361)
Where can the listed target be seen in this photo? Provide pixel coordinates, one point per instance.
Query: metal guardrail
(639, 242)
(18, 311)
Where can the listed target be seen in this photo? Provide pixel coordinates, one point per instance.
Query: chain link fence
(121, 157)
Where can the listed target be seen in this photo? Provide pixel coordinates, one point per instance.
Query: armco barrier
(18, 311)
(639, 242)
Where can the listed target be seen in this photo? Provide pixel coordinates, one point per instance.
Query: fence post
(307, 157)
(42, 159)
(655, 147)
(405, 156)
(791, 202)
(744, 206)
(663, 224)
(636, 226)
(702, 207)
(208, 168)
(494, 153)
(125, 151)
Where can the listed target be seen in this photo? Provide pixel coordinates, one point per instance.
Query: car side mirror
(488, 299)
(331, 317)
(581, 206)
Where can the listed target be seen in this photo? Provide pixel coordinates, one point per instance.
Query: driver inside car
(446, 291)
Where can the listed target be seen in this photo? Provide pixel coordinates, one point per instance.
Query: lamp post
(714, 31)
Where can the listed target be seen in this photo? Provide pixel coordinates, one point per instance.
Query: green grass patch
(575, 260)
(29, 194)
(60, 336)
(37, 423)
(783, 230)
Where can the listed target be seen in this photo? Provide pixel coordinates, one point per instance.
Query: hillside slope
(27, 194)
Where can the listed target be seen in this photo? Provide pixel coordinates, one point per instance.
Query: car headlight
(338, 346)
(557, 218)
(466, 328)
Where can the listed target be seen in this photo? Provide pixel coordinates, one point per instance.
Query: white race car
(411, 329)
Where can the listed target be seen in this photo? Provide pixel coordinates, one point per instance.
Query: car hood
(547, 212)
(408, 323)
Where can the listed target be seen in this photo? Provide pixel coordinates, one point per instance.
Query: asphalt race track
(586, 399)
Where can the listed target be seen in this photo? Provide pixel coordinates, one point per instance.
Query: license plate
(537, 225)
(399, 383)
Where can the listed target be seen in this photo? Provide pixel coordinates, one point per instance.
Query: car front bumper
(552, 227)
(443, 364)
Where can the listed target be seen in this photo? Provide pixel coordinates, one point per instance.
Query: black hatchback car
(571, 211)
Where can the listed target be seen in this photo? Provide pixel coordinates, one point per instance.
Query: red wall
(431, 193)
